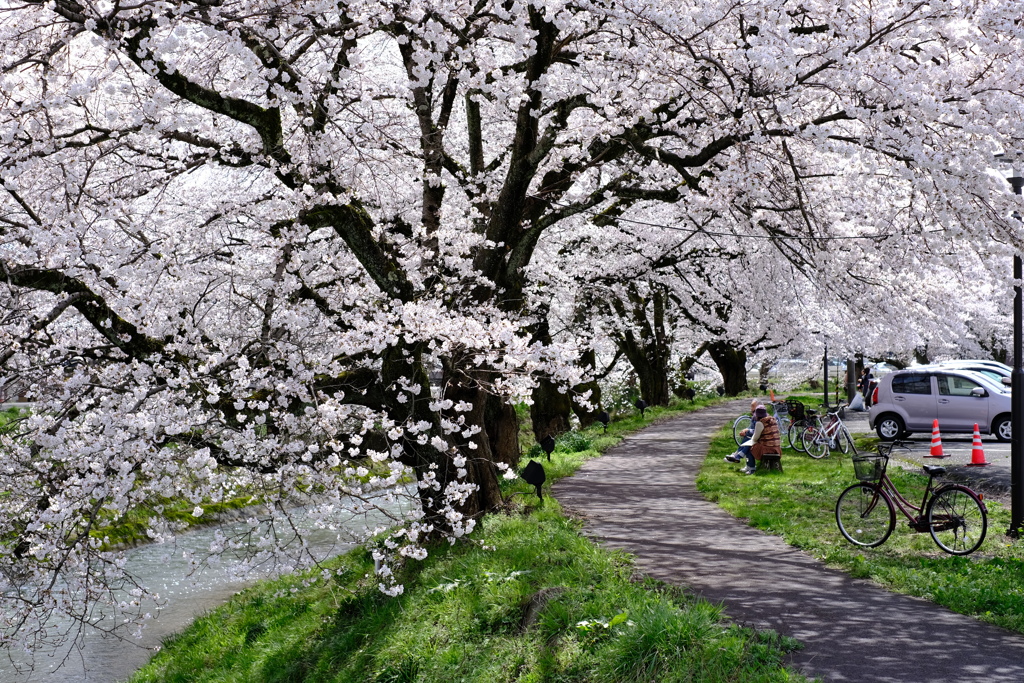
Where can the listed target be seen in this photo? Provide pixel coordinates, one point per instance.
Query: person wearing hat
(765, 440)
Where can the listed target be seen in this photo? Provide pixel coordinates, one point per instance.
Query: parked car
(882, 368)
(978, 361)
(908, 401)
(994, 369)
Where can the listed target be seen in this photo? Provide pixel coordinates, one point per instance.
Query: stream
(99, 658)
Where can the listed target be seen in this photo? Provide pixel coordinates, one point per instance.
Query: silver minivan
(910, 400)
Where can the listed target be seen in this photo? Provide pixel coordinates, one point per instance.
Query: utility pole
(1017, 399)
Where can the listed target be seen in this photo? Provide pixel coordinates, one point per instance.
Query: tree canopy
(306, 249)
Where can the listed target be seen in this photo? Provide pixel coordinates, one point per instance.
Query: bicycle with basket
(954, 515)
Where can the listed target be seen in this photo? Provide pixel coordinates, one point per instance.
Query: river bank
(97, 657)
(526, 599)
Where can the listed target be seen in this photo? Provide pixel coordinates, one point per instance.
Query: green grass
(9, 416)
(527, 599)
(464, 618)
(799, 505)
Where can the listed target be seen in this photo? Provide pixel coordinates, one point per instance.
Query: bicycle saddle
(934, 470)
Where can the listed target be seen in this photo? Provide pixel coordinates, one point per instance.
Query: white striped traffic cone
(936, 451)
(977, 452)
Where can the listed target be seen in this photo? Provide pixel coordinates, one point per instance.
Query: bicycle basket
(869, 466)
(781, 409)
(796, 410)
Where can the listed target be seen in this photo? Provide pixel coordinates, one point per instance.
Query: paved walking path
(641, 497)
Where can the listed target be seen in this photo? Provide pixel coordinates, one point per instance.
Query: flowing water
(100, 658)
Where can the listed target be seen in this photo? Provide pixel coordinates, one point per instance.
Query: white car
(994, 369)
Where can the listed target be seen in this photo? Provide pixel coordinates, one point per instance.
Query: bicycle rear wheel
(865, 515)
(742, 422)
(814, 442)
(957, 520)
(784, 425)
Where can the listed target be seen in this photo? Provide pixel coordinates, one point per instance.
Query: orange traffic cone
(977, 453)
(936, 451)
(771, 394)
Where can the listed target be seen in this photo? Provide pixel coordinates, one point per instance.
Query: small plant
(574, 442)
(592, 630)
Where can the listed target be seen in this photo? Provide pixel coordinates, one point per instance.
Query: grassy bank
(130, 529)
(527, 599)
(799, 504)
(8, 417)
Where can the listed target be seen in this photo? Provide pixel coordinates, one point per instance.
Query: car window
(991, 373)
(951, 385)
(912, 384)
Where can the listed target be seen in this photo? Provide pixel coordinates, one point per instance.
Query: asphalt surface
(641, 497)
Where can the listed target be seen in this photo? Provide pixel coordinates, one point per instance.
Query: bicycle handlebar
(886, 449)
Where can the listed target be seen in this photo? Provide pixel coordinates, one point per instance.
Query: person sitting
(765, 440)
(746, 433)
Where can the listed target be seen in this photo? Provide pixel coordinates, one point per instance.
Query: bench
(771, 461)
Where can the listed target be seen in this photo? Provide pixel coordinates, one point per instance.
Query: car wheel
(1003, 428)
(889, 427)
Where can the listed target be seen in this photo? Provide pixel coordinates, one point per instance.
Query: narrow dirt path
(641, 497)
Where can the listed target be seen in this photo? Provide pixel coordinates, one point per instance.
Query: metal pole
(851, 380)
(1017, 398)
(825, 388)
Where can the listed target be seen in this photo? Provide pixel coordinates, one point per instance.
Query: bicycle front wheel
(794, 432)
(784, 425)
(957, 520)
(849, 441)
(814, 442)
(865, 515)
(844, 441)
(742, 422)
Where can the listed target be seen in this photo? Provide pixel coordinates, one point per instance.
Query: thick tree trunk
(649, 354)
(762, 375)
(654, 384)
(587, 415)
(496, 440)
(732, 363)
(502, 426)
(550, 410)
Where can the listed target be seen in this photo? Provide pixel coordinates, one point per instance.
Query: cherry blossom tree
(298, 249)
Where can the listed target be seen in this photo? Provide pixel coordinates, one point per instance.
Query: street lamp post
(1017, 386)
